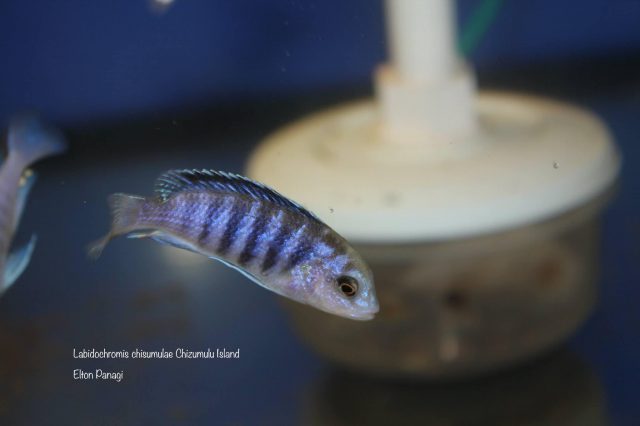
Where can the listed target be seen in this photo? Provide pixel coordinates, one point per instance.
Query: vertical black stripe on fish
(238, 211)
(338, 245)
(349, 266)
(212, 210)
(257, 229)
(301, 252)
(275, 246)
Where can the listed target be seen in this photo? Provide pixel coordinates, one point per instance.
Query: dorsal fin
(175, 181)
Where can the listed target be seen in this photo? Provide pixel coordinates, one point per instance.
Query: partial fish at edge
(17, 262)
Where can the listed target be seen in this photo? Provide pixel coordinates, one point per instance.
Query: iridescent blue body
(252, 228)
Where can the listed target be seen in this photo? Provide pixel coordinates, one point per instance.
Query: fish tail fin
(125, 210)
(30, 140)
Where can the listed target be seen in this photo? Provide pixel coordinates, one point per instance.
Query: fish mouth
(363, 315)
(358, 316)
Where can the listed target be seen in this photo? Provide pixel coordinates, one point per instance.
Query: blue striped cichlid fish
(246, 225)
(28, 141)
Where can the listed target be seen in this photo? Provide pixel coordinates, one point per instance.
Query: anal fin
(174, 241)
(165, 238)
(244, 272)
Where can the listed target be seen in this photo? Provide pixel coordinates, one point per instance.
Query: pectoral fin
(17, 262)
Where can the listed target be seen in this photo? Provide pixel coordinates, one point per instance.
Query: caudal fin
(125, 210)
(30, 140)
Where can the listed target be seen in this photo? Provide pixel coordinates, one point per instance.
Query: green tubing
(477, 25)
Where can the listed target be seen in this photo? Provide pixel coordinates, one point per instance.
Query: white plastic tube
(422, 39)
(426, 94)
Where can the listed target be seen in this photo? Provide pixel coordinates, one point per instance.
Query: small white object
(426, 94)
(160, 6)
(422, 39)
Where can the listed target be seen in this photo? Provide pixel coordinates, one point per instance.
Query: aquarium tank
(312, 212)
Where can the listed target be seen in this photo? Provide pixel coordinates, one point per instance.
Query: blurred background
(80, 63)
(140, 88)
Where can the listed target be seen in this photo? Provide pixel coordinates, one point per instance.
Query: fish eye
(347, 285)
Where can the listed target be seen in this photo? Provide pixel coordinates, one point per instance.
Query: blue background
(79, 61)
